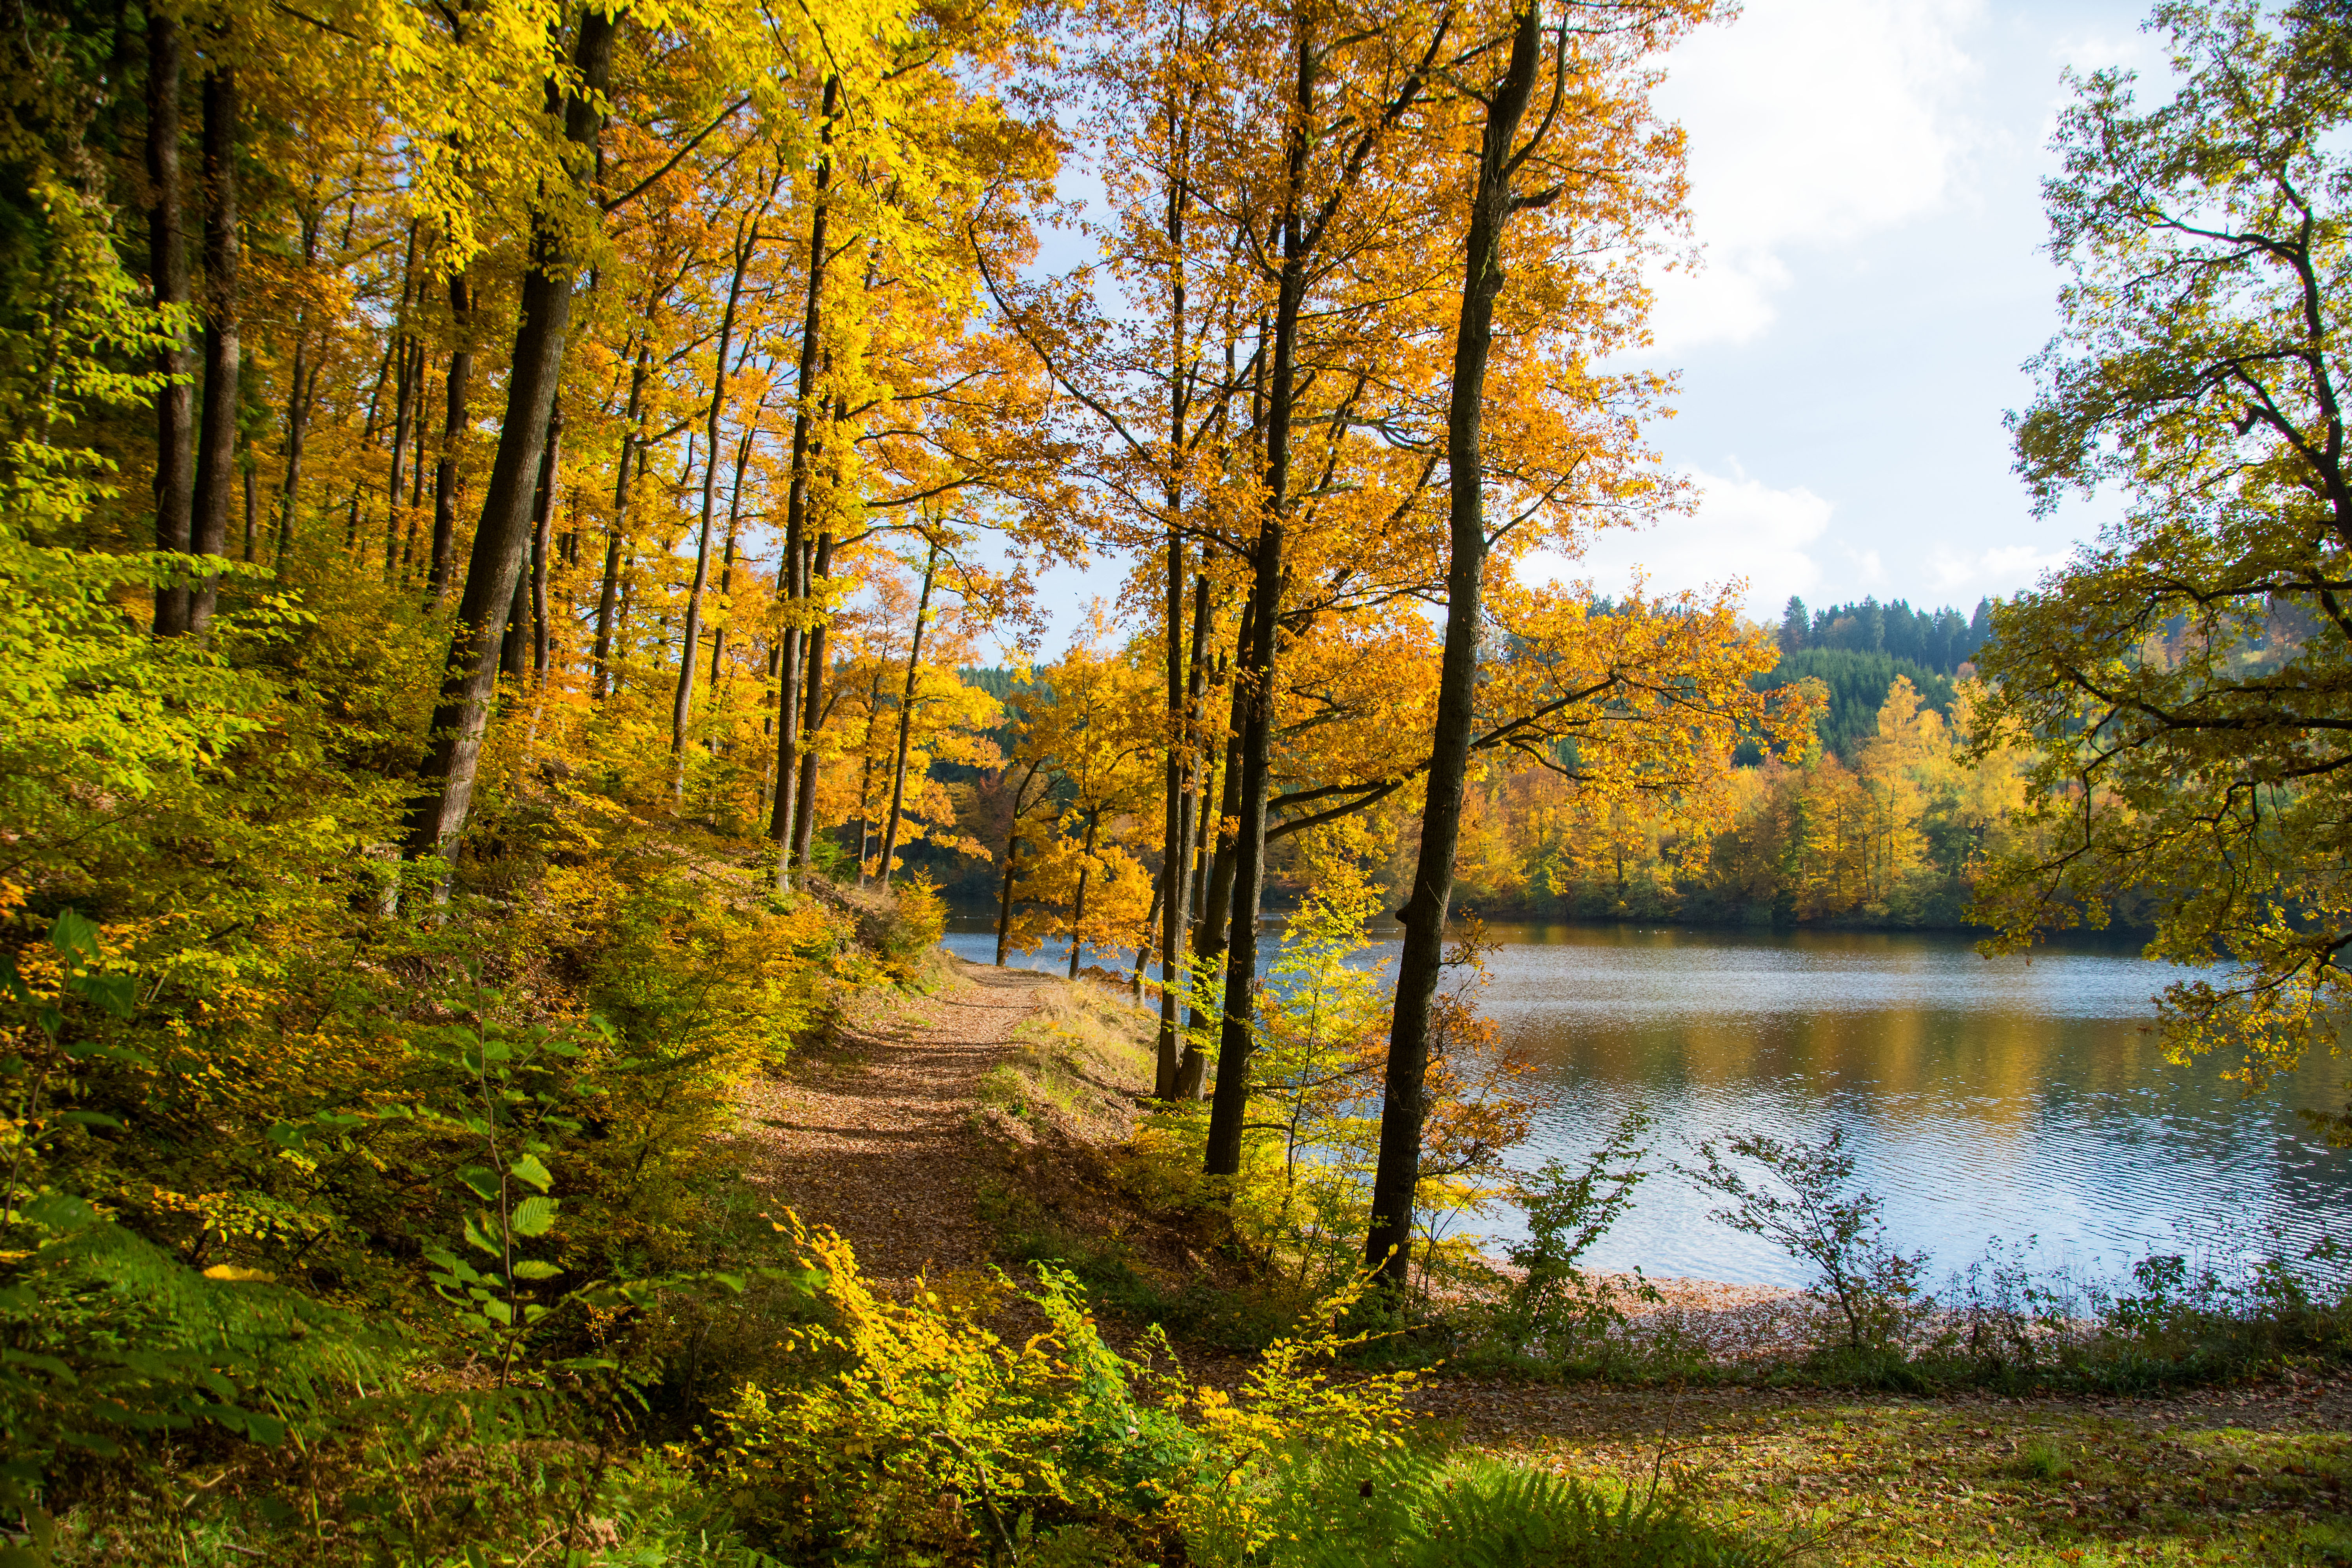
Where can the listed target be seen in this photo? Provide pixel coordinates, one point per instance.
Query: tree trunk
(907, 714)
(804, 392)
(813, 661)
(470, 680)
(727, 556)
(1166, 1056)
(453, 437)
(1216, 924)
(1150, 923)
(608, 591)
(1254, 678)
(1079, 898)
(1012, 859)
(215, 483)
(299, 383)
(542, 536)
(1387, 1247)
(682, 704)
(167, 247)
(1190, 894)
(407, 390)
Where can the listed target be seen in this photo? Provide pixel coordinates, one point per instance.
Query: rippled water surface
(2008, 1099)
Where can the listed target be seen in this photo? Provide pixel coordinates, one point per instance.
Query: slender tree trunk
(814, 662)
(167, 247)
(608, 591)
(1387, 1247)
(907, 714)
(682, 705)
(461, 717)
(1150, 923)
(252, 513)
(215, 483)
(541, 537)
(1167, 1061)
(406, 378)
(806, 393)
(1004, 896)
(299, 383)
(1191, 890)
(1079, 898)
(1215, 940)
(1256, 677)
(1012, 863)
(734, 522)
(453, 437)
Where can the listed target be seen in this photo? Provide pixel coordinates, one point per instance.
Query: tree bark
(682, 704)
(408, 375)
(1387, 1247)
(167, 247)
(727, 556)
(1167, 1061)
(608, 591)
(804, 392)
(216, 480)
(1183, 895)
(453, 437)
(907, 714)
(542, 536)
(469, 681)
(1079, 898)
(300, 381)
(1255, 676)
(1012, 859)
(814, 656)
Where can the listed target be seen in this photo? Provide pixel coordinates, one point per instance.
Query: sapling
(1812, 1211)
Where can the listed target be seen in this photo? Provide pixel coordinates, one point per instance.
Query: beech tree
(1592, 161)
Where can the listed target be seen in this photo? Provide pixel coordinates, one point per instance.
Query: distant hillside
(1858, 684)
(1937, 640)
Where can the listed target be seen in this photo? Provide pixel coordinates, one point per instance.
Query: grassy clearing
(1971, 1481)
(2231, 1471)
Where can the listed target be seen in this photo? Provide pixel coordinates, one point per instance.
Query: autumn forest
(535, 546)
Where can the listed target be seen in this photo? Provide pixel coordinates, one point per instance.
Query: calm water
(2007, 1098)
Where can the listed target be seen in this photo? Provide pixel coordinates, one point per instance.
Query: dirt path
(872, 1136)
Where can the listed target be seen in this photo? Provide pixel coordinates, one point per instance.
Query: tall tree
(2186, 679)
(1513, 176)
(176, 447)
(558, 237)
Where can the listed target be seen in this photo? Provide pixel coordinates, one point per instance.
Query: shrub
(912, 1429)
(1811, 1210)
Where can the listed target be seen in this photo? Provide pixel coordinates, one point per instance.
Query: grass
(2046, 1485)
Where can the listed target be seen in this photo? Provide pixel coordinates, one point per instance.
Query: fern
(1420, 1511)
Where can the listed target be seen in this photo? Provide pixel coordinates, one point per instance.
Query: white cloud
(2003, 569)
(1812, 123)
(1742, 528)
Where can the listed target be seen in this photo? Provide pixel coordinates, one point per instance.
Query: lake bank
(2023, 1100)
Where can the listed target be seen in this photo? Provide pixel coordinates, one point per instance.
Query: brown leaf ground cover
(929, 1116)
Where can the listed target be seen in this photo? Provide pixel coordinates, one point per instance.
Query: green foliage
(2190, 675)
(1856, 683)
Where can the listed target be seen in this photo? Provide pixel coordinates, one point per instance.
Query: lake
(2011, 1099)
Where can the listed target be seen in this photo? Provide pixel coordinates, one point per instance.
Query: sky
(1865, 190)
(1865, 182)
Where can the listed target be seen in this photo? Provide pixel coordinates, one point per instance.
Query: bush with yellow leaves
(917, 1431)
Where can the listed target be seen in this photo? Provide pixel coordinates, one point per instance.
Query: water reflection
(2006, 1099)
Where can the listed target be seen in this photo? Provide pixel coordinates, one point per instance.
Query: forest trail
(872, 1136)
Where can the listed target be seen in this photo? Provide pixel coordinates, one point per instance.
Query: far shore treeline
(1881, 821)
